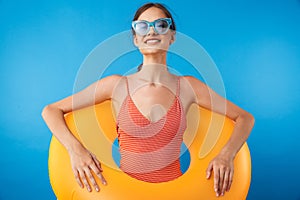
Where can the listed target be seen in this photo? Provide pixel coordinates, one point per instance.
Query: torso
(150, 134)
(160, 96)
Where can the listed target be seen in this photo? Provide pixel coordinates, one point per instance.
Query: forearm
(55, 121)
(243, 126)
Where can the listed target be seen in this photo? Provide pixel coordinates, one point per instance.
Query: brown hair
(146, 6)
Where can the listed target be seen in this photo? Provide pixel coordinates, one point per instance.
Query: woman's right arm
(83, 161)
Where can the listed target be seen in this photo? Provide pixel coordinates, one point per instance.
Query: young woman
(150, 105)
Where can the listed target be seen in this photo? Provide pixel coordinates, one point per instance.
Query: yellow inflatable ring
(95, 127)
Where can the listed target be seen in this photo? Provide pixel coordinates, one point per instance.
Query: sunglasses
(161, 26)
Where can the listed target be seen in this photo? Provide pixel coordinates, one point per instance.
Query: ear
(135, 41)
(172, 40)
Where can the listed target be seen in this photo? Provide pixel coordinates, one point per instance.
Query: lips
(152, 41)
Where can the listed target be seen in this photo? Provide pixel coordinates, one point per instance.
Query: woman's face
(162, 42)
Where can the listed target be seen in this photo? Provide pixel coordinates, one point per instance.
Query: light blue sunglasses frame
(149, 24)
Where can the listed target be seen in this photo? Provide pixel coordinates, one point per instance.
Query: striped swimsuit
(149, 150)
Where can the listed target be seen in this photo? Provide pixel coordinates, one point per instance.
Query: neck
(153, 72)
(154, 67)
(157, 58)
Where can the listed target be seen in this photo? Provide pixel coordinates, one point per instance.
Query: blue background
(255, 44)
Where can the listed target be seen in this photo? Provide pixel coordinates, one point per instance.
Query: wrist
(74, 146)
(227, 154)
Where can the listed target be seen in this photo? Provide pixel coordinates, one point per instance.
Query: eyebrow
(150, 21)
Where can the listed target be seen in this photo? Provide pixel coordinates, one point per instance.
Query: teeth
(152, 41)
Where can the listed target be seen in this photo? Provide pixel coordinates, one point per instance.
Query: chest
(153, 101)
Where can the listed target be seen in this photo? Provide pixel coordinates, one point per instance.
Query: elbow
(50, 109)
(46, 111)
(249, 118)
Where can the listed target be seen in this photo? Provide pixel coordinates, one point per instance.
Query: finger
(99, 174)
(84, 180)
(216, 180)
(91, 178)
(103, 180)
(230, 179)
(76, 174)
(225, 182)
(208, 170)
(98, 164)
(97, 171)
(221, 180)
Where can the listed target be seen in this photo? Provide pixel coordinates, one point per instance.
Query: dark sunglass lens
(162, 26)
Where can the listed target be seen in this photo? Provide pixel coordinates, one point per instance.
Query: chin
(152, 50)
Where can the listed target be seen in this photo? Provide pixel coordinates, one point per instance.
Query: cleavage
(151, 103)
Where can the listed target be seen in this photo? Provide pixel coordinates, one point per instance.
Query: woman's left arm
(222, 164)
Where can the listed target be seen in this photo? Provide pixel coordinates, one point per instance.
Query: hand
(83, 163)
(223, 173)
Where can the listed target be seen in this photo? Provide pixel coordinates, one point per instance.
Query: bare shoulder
(192, 88)
(110, 82)
(190, 82)
(112, 79)
(187, 91)
(119, 86)
(106, 86)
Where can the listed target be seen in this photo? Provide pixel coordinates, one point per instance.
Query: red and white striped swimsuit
(149, 150)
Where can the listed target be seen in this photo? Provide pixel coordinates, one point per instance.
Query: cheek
(139, 38)
(139, 42)
(166, 42)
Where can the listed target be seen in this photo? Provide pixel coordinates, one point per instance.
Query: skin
(153, 79)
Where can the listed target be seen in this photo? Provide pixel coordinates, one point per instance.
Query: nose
(151, 31)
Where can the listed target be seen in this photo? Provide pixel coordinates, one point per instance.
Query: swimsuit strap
(178, 86)
(127, 85)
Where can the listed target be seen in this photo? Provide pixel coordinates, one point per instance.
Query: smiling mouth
(152, 41)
